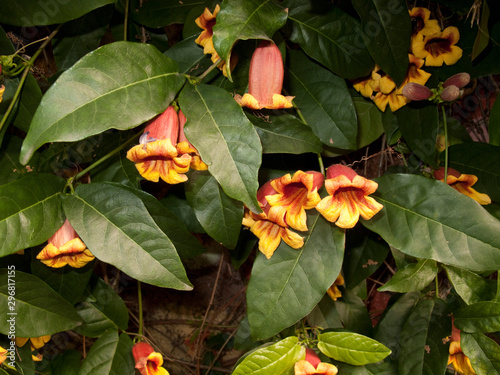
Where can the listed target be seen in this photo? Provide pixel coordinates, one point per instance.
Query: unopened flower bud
(450, 93)
(459, 80)
(415, 91)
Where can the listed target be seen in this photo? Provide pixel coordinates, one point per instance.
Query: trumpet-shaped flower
(438, 48)
(147, 361)
(422, 24)
(348, 197)
(65, 248)
(265, 80)
(457, 358)
(185, 147)
(462, 183)
(157, 156)
(334, 291)
(293, 196)
(268, 231)
(313, 365)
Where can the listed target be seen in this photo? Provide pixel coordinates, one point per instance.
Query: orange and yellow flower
(159, 155)
(293, 196)
(265, 80)
(147, 361)
(312, 365)
(438, 48)
(348, 197)
(3, 355)
(65, 248)
(457, 358)
(268, 231)
(462, 183)
(334, 291)
(2, 90)
(185, 147)
(35, 343)
(422, 24)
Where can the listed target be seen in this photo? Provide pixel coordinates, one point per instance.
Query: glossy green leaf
(482, 316)
(300, 278)
(39, 13)
(420, 129)
(80, 36)
(30, 211)
(494, 124)
(10, 168)
(24, 361)
(468, 285)
(106, 215)
(324, 100)
(189, 56)
(422, 348)
(444, 221)
(483, 34)
(386, 32)
(388, 330)
(68, 282)
(277, 359)
(122, 171)
(285, 134)
(179, 206)
(66, 363)
(101, 310)
(325, 314)
(218, 214)
(246, 19)
(110, 355)
(34, 302)
(121, 84)
(330, 36)
(353, 313)
(158, 13)
(226, 140)
(370, 124)
(483, 352)
(352, 348)
(413, 277)
(481, 160)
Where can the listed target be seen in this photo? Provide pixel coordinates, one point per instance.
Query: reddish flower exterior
(312, 365)
(457, 358)
(462, 183)
(147, 361)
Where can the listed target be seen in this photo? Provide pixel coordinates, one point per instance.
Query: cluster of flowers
(429, 46)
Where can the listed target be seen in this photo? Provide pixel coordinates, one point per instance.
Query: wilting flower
(147, 361)
(65, 248)
(460, 362)
(348, 197)
(185, 147)
(294, 195)
(3, 355)
(35, 343)
(334, 291)
(421, 23)
(157, 156)
(265, 80)
(438, 48)
(313, 365)
(268, 231)
(462, 183)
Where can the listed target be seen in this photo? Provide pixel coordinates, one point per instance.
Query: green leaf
(483, 34)
(66, 363)
(324, 101)
(330, 36)
(353, 313)
(285, 134)
(412, 278)
(325, 314)
(420, 129)
(277, 359)
(370, 124)
(189, 56)
(121, 84)
(388, 330)
(10, 168)
(79, 37)
(482, 316)
(101, 310)
(483, 352)
(481, 160)
(245, 19)
(158, 13)
(122, 171)
(68, 282)
(422, 349)
(31, 302)
(219, 215)
(226, 140)
(468, 285)
(110, 355)
(494, 124)
(30, 211)
(181, 209)
(386, 31)
(299, 279)
(444, 221)
(39, 13)
(106, 215)
(352, 348)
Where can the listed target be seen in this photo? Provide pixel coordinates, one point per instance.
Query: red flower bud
(460, 80)
(450, 93)
(415, 91)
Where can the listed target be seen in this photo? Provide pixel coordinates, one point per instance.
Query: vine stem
(139, 303)
(27, 68)
(206, 72)
(125, 21)
(445, 126)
